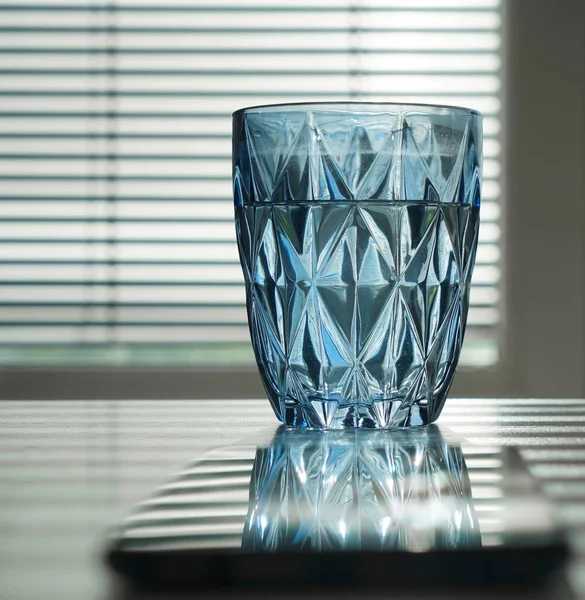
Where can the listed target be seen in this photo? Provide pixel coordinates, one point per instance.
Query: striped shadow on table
(351, 493)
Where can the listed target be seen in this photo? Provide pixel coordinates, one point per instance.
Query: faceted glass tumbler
(357, 228)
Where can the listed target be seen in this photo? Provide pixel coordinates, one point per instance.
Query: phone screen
(318, 508)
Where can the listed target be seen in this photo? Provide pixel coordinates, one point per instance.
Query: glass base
(385, 414)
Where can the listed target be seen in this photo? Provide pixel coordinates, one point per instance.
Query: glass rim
(432, 109)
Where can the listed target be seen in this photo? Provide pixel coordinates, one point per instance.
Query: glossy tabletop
(70, 470)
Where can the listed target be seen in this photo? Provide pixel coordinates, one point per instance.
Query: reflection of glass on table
(360, 490)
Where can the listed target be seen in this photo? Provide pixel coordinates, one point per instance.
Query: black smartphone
(338, 508)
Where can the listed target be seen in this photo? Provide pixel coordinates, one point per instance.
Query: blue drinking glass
(357, 228)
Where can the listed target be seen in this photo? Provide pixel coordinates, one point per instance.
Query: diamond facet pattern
(368, 491)
(357, 236)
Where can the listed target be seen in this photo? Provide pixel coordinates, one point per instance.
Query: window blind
(117, 240)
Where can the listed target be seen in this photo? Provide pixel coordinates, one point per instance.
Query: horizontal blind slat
(242, 20)
(153, 191)
(262, 64)
(481, 296)
(255, 42)
(251, 5)
(158, 233)
(101, 212)
(168, 275)
(202, 105)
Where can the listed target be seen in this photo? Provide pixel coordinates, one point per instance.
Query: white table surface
(71, 469)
